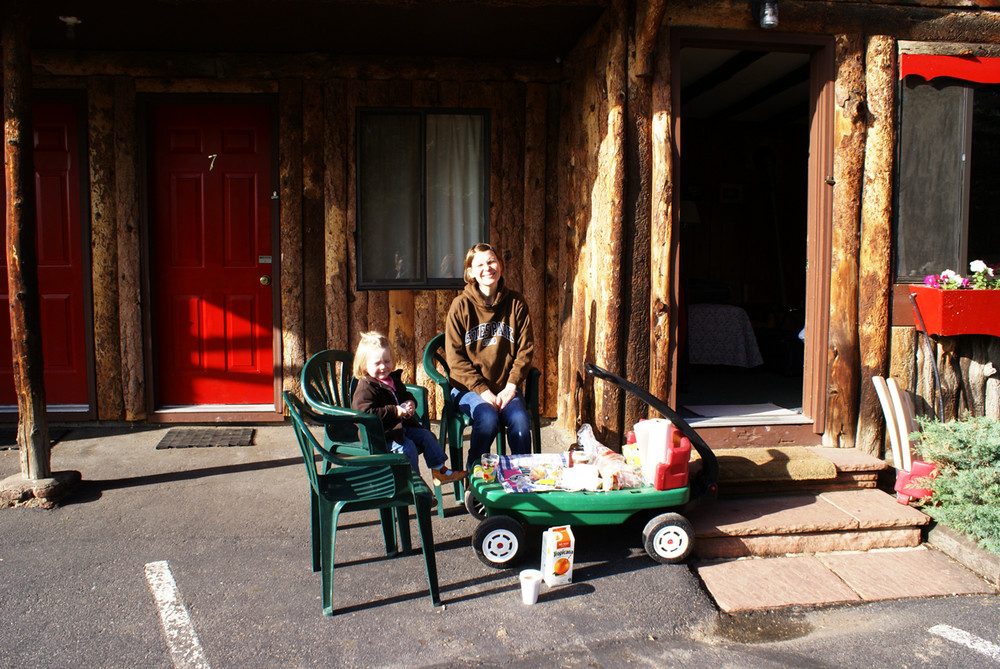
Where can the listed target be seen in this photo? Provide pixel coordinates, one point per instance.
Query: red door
(210, 237)
(60, 264)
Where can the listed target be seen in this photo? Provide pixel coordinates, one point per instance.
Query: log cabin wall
(316, 102)
(581, 188)
(861, 343)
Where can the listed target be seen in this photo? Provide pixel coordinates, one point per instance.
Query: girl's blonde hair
(371, 343)
(481, 247)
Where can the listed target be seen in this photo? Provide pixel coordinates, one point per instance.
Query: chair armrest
(351, 427)
(351, 460)
(420, 394)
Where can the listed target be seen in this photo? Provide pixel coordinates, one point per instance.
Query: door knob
(265, 280)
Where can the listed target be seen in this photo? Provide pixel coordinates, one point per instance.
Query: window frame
(423, 281)
(947, 64)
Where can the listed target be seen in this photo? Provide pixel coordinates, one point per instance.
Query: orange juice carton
(558, 545)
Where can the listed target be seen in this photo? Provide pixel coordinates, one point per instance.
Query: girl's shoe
(445, 475)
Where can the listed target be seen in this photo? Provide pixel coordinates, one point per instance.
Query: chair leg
(329, 540)
(388, 531)
(440, 501)
(455, 455)
(402, 514)
(427, 545)
(501, 443)
(316, 529)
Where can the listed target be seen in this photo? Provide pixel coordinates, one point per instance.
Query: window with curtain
(422, 195)
(948, 204)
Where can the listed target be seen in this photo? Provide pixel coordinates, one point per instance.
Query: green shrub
(967, 486)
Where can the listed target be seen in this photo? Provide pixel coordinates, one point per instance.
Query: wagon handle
(710, 463)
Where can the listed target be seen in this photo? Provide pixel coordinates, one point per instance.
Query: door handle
(265, 280)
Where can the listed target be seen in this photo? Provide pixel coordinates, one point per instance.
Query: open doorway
(743, 227)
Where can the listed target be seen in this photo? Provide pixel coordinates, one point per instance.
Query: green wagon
(500, 537)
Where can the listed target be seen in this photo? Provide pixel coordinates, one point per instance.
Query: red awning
(967, 68)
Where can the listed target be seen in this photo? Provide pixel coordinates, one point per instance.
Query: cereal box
(558, 545)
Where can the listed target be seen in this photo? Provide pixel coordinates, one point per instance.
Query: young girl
(381, 392)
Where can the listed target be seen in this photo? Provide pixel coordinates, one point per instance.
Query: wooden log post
(129, 251)
(533, 258)
(875, 270)
(607, 254)
(991, 399)
(661, 242)
(339, 285)
(22, 272)
(642, 51)
(104, 249)
(950, 374)
(849, 142)
(290, 222)
(313, 222)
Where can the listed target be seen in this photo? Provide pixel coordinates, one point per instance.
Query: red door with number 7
(210, 252)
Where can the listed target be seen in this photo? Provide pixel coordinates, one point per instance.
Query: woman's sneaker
(445, 475)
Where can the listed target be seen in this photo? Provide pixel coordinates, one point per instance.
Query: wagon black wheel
(668, 538)
(499, 541)
(474, 506)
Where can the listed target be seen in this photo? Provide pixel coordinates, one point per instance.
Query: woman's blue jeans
(487, 422)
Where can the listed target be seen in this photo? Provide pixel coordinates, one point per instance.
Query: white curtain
(456, 215)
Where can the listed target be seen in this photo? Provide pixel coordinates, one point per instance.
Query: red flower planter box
(958, 311)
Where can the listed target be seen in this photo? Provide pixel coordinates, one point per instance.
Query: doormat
(195, 437)
(8, 437)
(779, 463)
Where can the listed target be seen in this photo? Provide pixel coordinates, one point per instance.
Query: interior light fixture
(70, 22)
(765, 12)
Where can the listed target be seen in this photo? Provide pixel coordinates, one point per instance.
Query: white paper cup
(531, 583)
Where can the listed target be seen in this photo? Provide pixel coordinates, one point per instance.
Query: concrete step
(855, 470)
(840, 520)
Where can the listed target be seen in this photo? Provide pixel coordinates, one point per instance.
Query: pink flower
(931, 280)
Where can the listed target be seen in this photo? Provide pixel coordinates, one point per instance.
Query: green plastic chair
(352, 482)
(454, 422)
(328, 383)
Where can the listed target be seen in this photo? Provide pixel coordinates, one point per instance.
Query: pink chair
(897, 406)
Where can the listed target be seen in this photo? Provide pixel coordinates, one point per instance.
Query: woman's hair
(478, 248)
(372, 343)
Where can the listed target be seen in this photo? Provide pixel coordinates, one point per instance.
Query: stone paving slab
(849, 459)
(832, 511)
(769, 583)
(813, 542)
(769, 515)
(918, 572)
(836, 578)
(874, 508)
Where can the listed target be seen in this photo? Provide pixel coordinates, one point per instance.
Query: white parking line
(990, 650)
(185, 649)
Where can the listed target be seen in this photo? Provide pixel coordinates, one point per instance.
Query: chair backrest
(307, 442)
(327, 379)
(435, 364)
(891, 428)
(902, 405)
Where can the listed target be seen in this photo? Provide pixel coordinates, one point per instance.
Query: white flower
(978, 266)
(950, 275)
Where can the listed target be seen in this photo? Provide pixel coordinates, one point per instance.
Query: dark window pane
(389, 197)
(930, 219)
(984, 196)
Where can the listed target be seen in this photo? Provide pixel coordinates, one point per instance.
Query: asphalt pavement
(229, 527)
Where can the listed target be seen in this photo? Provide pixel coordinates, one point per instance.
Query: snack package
(615, 471)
